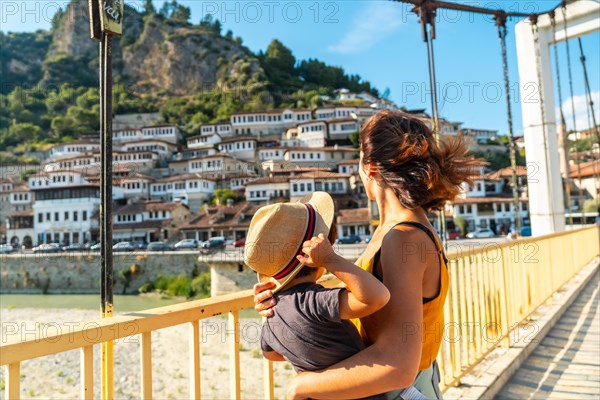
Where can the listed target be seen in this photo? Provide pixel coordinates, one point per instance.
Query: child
(310, 327)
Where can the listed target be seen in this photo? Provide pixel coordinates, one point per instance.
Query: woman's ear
(370, 171)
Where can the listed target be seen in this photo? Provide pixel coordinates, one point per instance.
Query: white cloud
(379, 20)
(581, 111)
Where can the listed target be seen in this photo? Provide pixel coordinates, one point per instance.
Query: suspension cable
(427, 18)
(502, 32)
(538, 57)
(563, 123)
(570, 70)
(591, 114)
(588, 91)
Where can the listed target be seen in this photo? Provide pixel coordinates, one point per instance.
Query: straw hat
(277, 232)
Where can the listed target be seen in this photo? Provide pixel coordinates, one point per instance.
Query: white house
(348, 167)
(168, 133)
(191, 189)
(203, 140)
(480, 135)
(312, 134)
(271, 153)
(62, 151)
(221, 164)
(340, 129)
(64, 203)
(242, 147)
(148, 221)
(162, 148)
(19, 228)
(126, 135)
(272, 122)
(353, 221)
(263, 190)
(494, 212)
(331, 182)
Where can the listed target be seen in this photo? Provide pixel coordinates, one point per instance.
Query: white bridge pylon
(546, 205)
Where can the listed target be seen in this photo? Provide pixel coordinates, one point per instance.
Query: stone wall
(80, 273)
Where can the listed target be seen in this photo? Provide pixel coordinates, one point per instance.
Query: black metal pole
(106, 254)
(106, 180)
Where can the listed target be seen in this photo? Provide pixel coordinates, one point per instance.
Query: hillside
(191, 73)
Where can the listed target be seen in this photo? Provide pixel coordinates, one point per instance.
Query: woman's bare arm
(392, 362)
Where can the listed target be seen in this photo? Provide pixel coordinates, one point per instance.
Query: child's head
(277, 232)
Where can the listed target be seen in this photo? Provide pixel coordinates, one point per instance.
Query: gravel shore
(57, 376)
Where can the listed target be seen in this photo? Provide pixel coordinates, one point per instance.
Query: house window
(302, 187)
(309, 187)
(295, 187)
(84, 216)
(40, 217)
(48, 216)
(56, 216)
(66, 215)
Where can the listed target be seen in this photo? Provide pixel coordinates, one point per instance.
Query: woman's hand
(263, 298)
(318, 252)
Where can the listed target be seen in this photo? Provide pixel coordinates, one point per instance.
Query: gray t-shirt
(306, 328)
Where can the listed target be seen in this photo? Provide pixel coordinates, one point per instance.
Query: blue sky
(381, 41)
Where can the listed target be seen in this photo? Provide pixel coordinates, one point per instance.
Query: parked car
(453, 234)
(481, 234)
(124, 246)
(239, 243)
(212, 245)
(74, 247)
(351, 239)
(47, 248)
(6, 248)
(158, 246)
(139, 244)
(95, 247)
(186, 244)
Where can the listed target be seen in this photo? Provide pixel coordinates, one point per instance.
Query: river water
(82, 301)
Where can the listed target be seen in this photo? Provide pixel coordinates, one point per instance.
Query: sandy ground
(57, 376)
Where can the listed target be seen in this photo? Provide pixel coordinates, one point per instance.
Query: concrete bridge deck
(566, 364)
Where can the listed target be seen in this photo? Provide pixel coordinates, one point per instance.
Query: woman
(408, 174)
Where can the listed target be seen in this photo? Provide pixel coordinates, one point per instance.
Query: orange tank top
(433, 309)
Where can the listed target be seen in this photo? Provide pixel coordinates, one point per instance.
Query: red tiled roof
(506, 173)
(353, 216)
(223, 217)
(585, 169)
(150, 205)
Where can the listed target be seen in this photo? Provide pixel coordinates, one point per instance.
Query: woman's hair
(404, 151)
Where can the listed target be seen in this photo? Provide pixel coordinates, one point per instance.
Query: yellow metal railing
(493, 289)
(496, 287)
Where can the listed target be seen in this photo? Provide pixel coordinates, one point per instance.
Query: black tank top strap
(425, 229)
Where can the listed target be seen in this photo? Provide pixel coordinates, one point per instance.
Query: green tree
(149, 8)
(461, 223)
(222, 195)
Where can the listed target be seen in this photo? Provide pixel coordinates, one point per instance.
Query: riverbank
(57, 376)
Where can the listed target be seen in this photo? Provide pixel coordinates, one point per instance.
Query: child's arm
(273, 356)
(365, 293)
